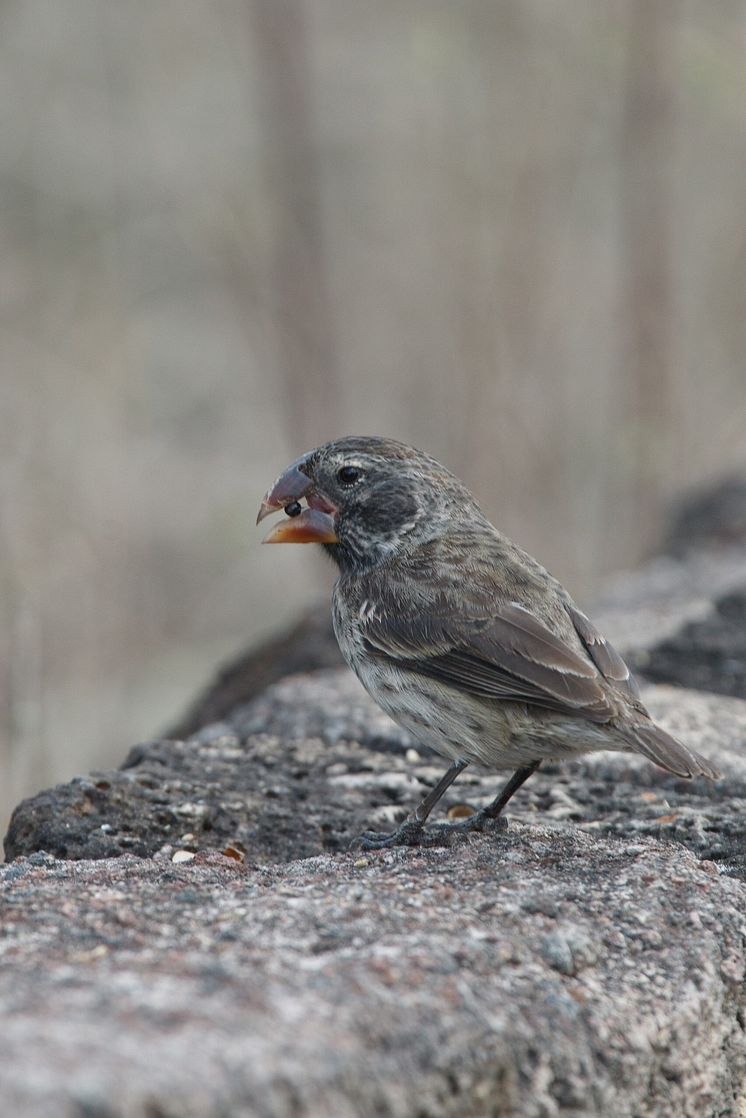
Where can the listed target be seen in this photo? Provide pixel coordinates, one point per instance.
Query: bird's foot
(412, 833)
(408, 834)
(483, 821)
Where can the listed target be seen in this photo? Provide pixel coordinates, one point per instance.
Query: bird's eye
(348, 475)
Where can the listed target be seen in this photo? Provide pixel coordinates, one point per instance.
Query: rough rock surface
(552, 973)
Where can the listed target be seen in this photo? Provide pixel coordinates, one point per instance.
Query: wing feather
(510, 656)
(604, 655)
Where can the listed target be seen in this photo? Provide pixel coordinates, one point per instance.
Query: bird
(456, 632)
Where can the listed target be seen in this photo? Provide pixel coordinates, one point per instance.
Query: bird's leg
(488, 814)
(408, 833)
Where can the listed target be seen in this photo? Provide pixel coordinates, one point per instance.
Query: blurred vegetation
(510, 232)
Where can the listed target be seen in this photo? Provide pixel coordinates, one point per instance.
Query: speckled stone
(399, 983)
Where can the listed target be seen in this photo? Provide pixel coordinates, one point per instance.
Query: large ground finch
(459, 635)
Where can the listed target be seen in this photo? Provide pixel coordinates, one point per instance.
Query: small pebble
(182, 856)
(98, 952)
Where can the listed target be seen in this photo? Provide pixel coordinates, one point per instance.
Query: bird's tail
(664, 750)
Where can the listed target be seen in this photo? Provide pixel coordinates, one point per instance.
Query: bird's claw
(407, 834)
(480, 822)
(437, 834)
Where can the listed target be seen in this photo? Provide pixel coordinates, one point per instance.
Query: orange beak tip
(311, 526)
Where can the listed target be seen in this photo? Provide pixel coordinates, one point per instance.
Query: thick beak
(314, 524)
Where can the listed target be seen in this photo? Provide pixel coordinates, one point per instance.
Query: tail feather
(663, 749)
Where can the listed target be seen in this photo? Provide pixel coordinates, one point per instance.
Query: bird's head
(365, 499)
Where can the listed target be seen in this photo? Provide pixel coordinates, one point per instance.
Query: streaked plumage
(457, 633)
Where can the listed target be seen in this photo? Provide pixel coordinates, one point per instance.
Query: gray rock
(395, 984)
(569, 949)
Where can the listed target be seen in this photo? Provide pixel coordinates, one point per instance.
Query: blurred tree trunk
(647, 316)
(301, 305)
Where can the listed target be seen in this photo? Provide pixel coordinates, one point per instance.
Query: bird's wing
(604, 655)
(510, 655)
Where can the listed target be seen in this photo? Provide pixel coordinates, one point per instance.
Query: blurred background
(509, 231)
